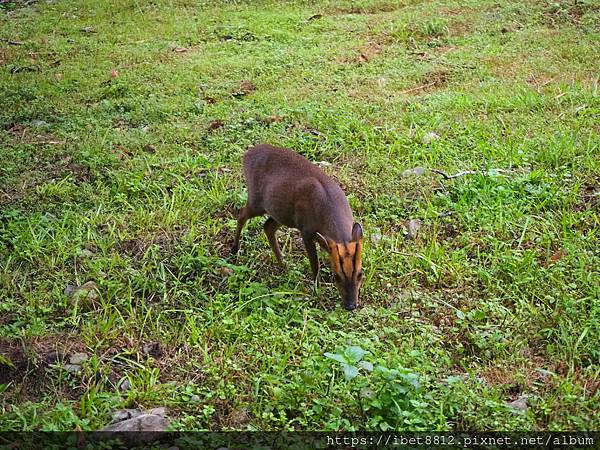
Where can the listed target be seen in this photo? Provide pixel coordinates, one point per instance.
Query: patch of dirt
(29, 360)
(539, 81)
(44, 171)
(589, 196)
(460, 28)
(245, 87)
(215, 125)
(4, 56)
(435, 80)
(133, 247)
(17, 363)
(567, 12)
(22, 134)
(365, 54)
(229, 211)
(515, 379)
(378, 8)
(137, 247)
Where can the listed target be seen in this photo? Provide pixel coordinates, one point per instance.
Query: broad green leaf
(336, 357)
(355, 353)
(350, 372)
(366, 365)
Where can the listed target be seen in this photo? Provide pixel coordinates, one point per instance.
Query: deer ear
(323, 242)
(357, 232)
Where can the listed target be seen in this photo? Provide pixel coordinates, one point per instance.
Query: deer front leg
(311, 251)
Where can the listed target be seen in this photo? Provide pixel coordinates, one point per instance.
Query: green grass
(116, 170)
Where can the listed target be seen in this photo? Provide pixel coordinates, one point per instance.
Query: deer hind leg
(270, 227)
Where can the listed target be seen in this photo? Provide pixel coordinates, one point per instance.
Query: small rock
(239, 417)
(86, 292)
(195, 398)
(273, 119)
(215, 125)
(430, 137)
(125, 385)
(144, 422)
(245, 87)
(414, 225)
(544, 375)
(78, 358)
(160, 411)
(125, 414)
(375, 238)
(73, 368)
(86, 253)
(69, 290)
(149, 148)
(323, 164)
(417, 171)
(520, 404)
(152, 349)
(367, 392)
(226, 271)
(39, 123)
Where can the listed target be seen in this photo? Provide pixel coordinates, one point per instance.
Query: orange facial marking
(349, 260)
(335, 259)
(358, 257)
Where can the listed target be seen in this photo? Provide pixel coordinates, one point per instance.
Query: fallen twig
(456, 175)
(418, 88)
(489, 172)
(9, 42)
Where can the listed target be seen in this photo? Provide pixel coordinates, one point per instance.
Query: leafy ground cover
(121, 134)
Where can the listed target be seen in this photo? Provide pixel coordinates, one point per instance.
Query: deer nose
(351, 307)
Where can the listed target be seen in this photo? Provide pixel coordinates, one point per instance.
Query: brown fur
(298, 194)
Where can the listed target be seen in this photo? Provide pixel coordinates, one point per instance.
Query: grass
(122, 129)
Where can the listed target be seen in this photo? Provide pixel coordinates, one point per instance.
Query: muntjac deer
(296, 193)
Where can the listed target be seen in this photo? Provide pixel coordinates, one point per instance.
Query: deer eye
(359, 275)
(336, 277)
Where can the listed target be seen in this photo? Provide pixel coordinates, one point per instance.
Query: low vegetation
(121, 134)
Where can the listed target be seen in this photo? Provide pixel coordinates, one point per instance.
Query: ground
(122, 129)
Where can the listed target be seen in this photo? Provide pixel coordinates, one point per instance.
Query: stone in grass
(430, 137)
(125, 385)
(73, 368)
(152, 424)
(520, 404)
(86, 293)
(143, 422)
(413, 227)
(376, 237)
(415, 171)
(121, 415)
(125, 414)
(78, 358)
